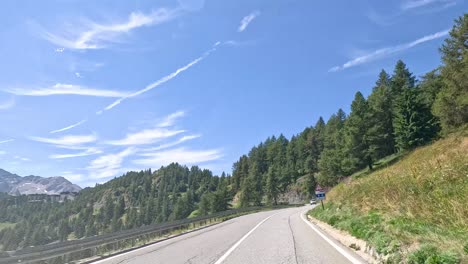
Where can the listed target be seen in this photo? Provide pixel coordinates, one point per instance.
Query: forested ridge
(401, 113)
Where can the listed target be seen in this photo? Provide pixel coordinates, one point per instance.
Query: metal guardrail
(68, 251)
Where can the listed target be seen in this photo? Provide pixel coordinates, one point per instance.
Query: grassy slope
(6, 225)
(422, 200)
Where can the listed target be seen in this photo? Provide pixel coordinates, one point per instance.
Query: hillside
(132, 200)
(416, 203)
(16, 185)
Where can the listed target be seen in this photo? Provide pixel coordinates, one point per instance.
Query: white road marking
(223, 257)
(333, 244)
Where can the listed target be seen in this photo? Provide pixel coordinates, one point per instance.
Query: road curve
(278, 236)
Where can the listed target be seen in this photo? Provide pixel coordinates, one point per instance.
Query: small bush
(430, 255)
(359, 229)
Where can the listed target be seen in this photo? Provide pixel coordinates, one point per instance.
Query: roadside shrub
(428, 254)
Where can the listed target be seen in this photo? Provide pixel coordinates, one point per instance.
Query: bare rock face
(16, 185)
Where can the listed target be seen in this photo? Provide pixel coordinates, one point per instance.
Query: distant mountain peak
(13, 184)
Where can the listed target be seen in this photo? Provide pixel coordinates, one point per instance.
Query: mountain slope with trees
(400, 114)
(418, 203)
(132, 200)
(414, 211)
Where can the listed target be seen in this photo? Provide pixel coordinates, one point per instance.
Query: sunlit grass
(420, 200)
(6, 225)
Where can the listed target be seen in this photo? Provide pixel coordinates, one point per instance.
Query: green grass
(6, 225)
(417, 204)
(382, 163)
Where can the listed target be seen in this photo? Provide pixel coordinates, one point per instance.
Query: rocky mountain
(16, 185)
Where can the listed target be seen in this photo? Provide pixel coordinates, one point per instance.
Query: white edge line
(147, 246)
(333, 244)
(223, 257)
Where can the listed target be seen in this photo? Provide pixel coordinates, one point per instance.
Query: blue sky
(91, 89)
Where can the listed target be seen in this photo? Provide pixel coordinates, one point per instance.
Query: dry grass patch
(422, 199)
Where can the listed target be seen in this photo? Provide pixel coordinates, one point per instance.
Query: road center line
(333, 244)
(223, 257)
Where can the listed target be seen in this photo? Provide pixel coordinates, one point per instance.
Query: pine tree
(119, 208)
(63, 230)
(451, 105)
(205, 204)
(357, 152)
(413, 123)
(220, 199)
(310, 185)
(331, 159)
(240, 171)
(401, 79)
(272, 186)
(313, 149)
(429, 87)
(107, 210)
(380, 133)
(291, 159)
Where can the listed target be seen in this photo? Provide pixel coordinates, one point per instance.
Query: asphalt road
(279, 236)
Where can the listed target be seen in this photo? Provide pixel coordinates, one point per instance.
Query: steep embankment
(412, 211)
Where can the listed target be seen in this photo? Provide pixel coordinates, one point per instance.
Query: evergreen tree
(240, 171)
(414, 124)
(312, 145)
(119, 208)
(272, 186)
(310, 185)
(355, 135)
(331, 159)
(429, 87)
(107, 211)
(291, 159)
(401, 79)
(205, 204)
(451, 105)
(380, 134)
(64, 230)
(220, 199)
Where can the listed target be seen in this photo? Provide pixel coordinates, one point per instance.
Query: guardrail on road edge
(73, 250)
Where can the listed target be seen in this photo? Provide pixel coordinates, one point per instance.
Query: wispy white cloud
(170, 119)
(236, 43)
(7, 104)
(78, 75)
(247, 20)
(162, 80)
(67, 141)
(65, 89)
(180, 155)
(2, 152)
(68, 127)
(172, 144)
(144, 137)
(95, 36)
(412, 4)
(17, 157)
(6, 141)
(59, 50)
(109, 165)
(89, 151)
(384, 52)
